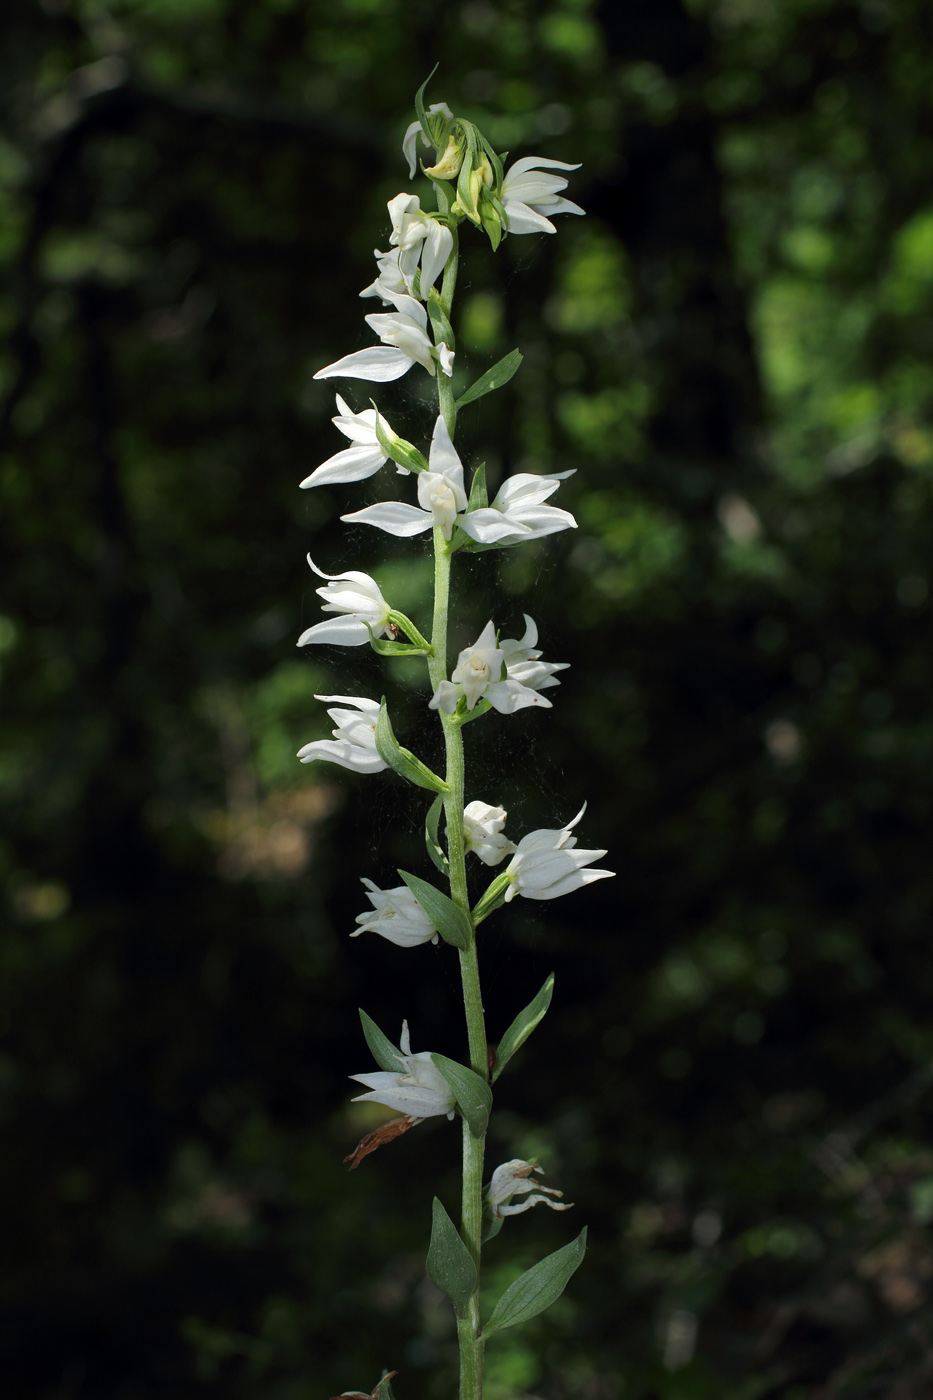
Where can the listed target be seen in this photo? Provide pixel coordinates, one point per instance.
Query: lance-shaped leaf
(521, 1028)
(432, 839)
(473, 1095)
(538, 1287)
(403, 761)
(494, 378)
(448, 918)
(443, 330)
(479, 497)
(419, 103)
(386, 1055)
(493, 898)
(449, 1263)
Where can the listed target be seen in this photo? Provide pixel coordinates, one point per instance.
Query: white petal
(340, 751)
(410, 147)
(573, 881)
(395, 517)
(519, 167)
(380, 363)
(420, 1103)
(523, 219)
(352, 464)
(509, 696)
(445, 698)
(368, 707)
(337, 631)
(365, 581)
(487, 526)
(437, 248)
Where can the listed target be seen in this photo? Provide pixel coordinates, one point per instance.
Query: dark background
(734, 350)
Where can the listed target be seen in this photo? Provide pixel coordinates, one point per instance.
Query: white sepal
(547, 865)
(397, 916)
(354, 743)
(418, 1089)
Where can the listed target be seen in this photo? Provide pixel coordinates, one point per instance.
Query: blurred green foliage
(735, 351)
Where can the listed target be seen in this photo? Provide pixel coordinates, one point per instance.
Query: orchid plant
(471, 187)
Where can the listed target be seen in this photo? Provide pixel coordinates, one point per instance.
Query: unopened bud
(448, 167)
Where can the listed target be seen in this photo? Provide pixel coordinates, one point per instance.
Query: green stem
(471, 1229)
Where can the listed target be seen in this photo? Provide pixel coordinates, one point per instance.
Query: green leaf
(383, 1051)
(406, 625)
(521, 1028)
(494, 378)
(403, 761)
(538, 1287)
(493, 898)
(384, 1389)
(384, 648)
(473, 1094)
(403, 452)
(479, 497)
(449, 1264)
(431, 838)
(443, 330)
(450, 921)
(419, 102)
(463, 716)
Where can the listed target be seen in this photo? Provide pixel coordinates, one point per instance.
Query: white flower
(482, 830)
(357, 598)
(410, 139)
(396, 915)
(518, 514)
(479, 674)
(514, 1179)
(389, 281)
(440, 491)
(418, 239)
(354, 743)
(419, 1089)
(353, 463)
(528, 196)
(546, 865)
(522, 663)
(405, 341)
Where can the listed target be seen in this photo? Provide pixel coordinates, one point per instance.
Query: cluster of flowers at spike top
(515, 1179)
(418, 1089)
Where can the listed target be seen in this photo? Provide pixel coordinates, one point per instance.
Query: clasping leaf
(403, 761)
(451, 922)
(473, 1094)
(431, 838)
(449, 1264)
